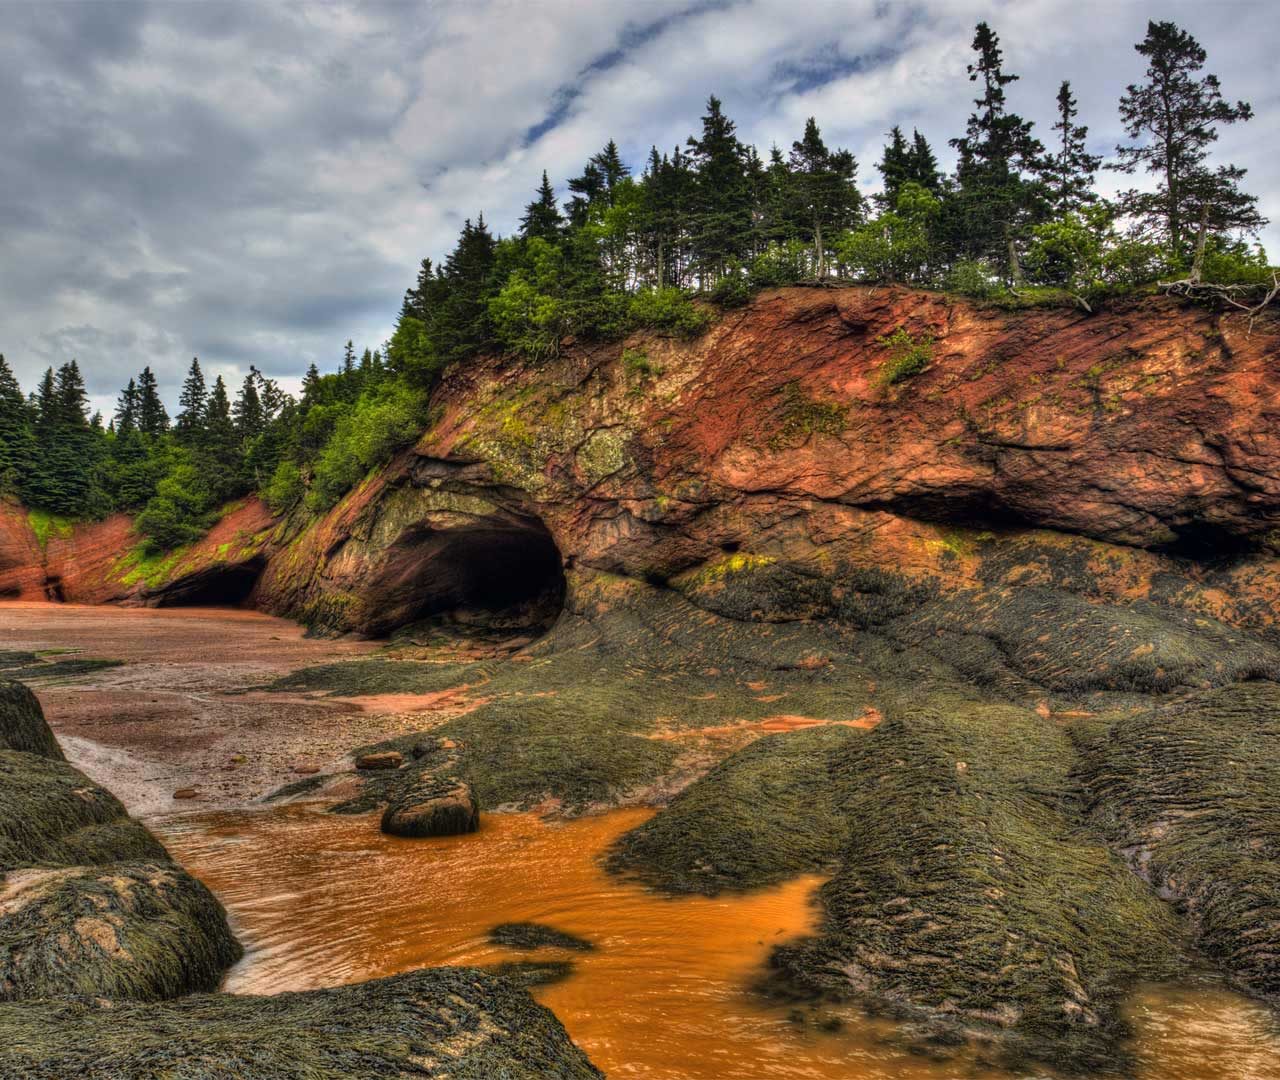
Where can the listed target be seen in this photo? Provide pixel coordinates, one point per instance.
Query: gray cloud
(255, 183)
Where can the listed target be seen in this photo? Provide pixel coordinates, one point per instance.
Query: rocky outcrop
(1187, 793)
(22, 723)
(443, 1022)
(1063, 520)
(100, 562)
(90, 902)
(433, 806)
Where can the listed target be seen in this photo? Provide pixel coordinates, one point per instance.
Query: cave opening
(228, 585)
(500, 575)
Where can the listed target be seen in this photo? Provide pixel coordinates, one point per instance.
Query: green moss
(803, 416)
(967, 895)
(45, 525)
(908, 356)
(1189, 791)
(764, 814)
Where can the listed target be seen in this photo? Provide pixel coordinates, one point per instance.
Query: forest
(697, 229)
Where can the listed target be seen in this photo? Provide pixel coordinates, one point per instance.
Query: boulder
(433, 806)
(380, 759)
(142, 931)
(22, 723)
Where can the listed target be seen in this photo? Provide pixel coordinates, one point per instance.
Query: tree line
(715, 217)
(700, 226)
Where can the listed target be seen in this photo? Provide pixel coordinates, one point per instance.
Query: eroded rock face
(441, 1022)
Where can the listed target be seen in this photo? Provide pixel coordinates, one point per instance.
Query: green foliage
(733, 290)
(285, 488)
(908, 355)
(45, 525)
(367, 435)
(670, 311)
(972, 277)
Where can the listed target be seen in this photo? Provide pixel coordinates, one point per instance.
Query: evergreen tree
(999, 194)
(922, 165)
(1177, 112)
(460, 325)
(1070, 170)
(247, 413)
(219, 453)
(311, 384)
(17, 441)
(895, 168)
(152, 418)
(542, 218)
(825, 190)
(127, 409)
(191, 404)
(720, 217)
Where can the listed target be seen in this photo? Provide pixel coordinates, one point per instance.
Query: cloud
(255, 183)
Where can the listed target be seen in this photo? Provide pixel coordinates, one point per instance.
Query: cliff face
(1131, 451)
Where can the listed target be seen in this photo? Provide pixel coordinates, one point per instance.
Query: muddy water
(321, 900)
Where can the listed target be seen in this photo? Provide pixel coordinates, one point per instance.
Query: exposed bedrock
(1189, 793)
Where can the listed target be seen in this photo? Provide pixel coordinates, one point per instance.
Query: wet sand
(177, 715)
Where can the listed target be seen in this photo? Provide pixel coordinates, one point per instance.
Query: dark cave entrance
(218, 586)
(498, 575)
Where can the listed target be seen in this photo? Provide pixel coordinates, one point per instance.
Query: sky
(256, 182)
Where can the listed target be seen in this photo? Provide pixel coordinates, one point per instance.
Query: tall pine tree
(1176, 113)
(191, 404)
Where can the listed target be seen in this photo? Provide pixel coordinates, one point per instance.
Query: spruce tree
(922, 165)
(999, 192)
(1176, 113)
(152, 418)
(720, 217)
(247, 412)
(542, 218)
(127, 409)
(17, 441)
(824, 185)
(460, 324)
(219, 454)
(1070, 169)
(191, 404)
(894, 168)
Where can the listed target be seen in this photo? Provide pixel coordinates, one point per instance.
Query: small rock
(186, 793)
(306, 770)
(382, 759)
(433, 806)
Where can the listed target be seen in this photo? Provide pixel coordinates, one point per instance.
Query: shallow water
(320, 899)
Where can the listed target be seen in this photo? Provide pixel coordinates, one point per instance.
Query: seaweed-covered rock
(90, 902)
(760, 816)
(444, 1022)
(967, 897)
(433, 806)
(529, 935)
(142, 931)
(1189, 793)
(53, 815)
(22, 723)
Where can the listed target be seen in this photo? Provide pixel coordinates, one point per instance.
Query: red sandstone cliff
(1142, 439)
